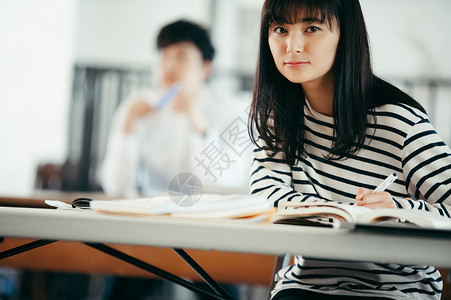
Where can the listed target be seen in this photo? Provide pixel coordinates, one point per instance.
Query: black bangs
(297, 11)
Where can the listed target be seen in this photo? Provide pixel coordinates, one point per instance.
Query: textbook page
(207, 206)
(341, 212)
(419, 218)
(359, 214)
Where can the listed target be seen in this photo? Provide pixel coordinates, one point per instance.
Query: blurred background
(65, 65)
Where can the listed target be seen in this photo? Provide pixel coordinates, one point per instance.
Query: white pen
(386, 183)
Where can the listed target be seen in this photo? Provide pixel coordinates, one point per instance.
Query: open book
(305, 213)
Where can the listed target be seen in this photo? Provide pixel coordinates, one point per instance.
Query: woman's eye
(280, 30)
(312, 29)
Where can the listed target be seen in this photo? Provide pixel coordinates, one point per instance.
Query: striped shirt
(402, 140)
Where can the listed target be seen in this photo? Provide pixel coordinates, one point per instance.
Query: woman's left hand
(365, 197)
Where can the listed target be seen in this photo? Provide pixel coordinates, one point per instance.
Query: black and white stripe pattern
(403, 141)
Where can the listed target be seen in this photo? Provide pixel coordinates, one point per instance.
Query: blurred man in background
(160, 133)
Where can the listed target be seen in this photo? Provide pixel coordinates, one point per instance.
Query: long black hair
(277, 110)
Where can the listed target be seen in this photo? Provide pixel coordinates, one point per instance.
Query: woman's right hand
(367, 198)
(138, 110)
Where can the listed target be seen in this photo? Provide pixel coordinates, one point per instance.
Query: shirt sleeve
(120, 165)
(426, 162)
(272, 177)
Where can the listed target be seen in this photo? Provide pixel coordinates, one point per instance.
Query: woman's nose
(295, 43)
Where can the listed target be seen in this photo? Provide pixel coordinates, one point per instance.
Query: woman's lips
(294, 64)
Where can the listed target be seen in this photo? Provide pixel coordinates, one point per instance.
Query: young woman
(327, 129)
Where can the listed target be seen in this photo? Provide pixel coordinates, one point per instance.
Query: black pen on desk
(386, 183)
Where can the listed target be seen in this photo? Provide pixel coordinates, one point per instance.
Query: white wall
(409, 37)
(120, 32)
(36, 55)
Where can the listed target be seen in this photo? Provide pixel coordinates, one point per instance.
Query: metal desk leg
(160, 272)
(24, 248)
(202, 273)
(218, 291)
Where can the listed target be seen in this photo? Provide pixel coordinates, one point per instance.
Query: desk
(224, 235)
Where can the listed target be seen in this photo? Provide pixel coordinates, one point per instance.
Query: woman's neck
(320, 94)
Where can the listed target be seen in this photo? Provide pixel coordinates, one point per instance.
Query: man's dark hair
(186, 31)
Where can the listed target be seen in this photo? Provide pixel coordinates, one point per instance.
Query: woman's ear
(207, 68)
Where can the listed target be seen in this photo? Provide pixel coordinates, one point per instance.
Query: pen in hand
(386, 183)
(168, 96)
(374, 198)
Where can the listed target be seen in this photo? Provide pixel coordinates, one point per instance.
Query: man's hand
(138, 110)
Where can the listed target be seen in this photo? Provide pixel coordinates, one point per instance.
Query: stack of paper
(207, 206)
